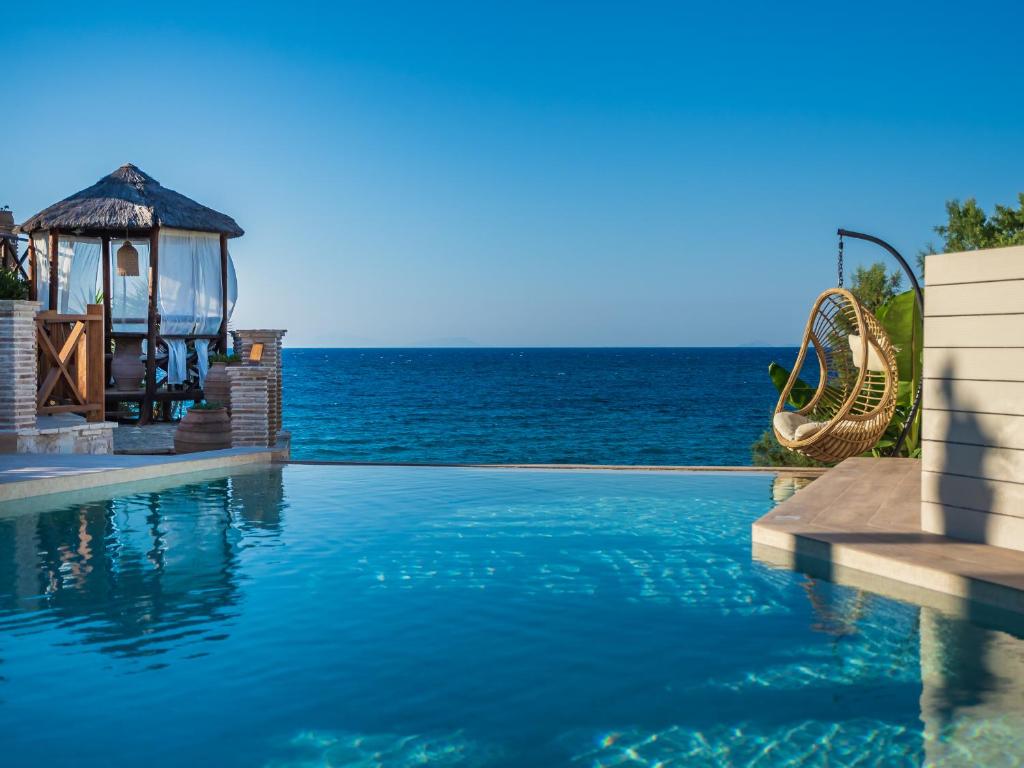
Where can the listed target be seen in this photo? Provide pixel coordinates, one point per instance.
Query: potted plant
(217, 388)
(206, 427)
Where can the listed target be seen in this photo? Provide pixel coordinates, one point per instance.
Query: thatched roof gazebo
(171, 284)
(129, 199)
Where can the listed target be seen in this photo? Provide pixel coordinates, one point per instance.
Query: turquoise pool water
(365, 616)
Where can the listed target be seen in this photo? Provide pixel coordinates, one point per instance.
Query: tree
(969, 228)
(873, 286)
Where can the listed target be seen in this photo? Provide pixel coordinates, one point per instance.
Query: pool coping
(25, 476)
(788, 471)
(864, 515)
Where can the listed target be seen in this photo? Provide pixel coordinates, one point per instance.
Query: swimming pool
(357, 616)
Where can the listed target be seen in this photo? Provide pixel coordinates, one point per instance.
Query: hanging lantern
(127, 260)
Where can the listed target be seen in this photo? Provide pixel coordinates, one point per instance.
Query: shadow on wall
(961, 484)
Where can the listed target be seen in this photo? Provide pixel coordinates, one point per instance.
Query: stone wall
(973, 418)
(17, 370)
(67, 434)
(250, 406)
(271, 360)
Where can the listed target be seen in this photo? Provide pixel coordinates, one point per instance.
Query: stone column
(271, 360)
(17, 370)
(250, 406)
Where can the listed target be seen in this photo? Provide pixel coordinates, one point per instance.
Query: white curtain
(129, 296)
(41, 244)
(85, 277)
(189, 298)
(78, 272)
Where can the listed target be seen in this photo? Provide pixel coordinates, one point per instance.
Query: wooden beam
(33, 283)
(108, 321)
(108, 324)
(54, 276)
(223, 334)
(146, 412)
(95, 356)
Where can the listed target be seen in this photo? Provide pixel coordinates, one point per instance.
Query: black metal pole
(919, 294)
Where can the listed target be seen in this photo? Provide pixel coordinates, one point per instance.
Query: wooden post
(96, 363)
(108, 318)
(54, 276)
(223, 294)
(146, 409)
(33, 283)
(108, 323)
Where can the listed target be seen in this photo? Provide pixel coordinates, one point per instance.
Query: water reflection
(971, 663)
(141, 574)
(972, 698)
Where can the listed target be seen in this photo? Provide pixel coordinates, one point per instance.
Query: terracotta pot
(217, 388)
(203, 430)
(126, 367)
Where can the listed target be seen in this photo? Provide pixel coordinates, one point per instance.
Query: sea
(633, 406)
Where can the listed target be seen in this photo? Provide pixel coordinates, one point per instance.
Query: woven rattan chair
(855, 396)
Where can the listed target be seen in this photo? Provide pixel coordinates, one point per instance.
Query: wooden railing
(9, 257)
(71, 363)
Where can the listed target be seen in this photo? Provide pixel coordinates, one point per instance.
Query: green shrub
(12, 286)
(227, 359)
(767, 452)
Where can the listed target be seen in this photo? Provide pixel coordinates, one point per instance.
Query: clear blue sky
(526, 174)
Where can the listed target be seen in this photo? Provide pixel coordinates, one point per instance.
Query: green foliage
(208, 405)
(801, 393)
(12, 286)
(969, 228)
(902, 320)
(873, 286)
(227, 359)
(767, 452)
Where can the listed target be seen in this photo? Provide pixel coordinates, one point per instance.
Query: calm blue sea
(588, 406)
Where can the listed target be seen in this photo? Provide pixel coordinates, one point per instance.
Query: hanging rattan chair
(855, 397)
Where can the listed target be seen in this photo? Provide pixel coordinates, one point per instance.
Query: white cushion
(875, 362)
(795, 426)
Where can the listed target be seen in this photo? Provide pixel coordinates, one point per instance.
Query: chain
(840, 261)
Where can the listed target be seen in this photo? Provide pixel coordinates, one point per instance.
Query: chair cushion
(795, 426)
(875, 362)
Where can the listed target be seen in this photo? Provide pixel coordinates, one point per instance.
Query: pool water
(365, 616)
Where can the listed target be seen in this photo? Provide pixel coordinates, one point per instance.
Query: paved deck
(26, 475)
(864, 515)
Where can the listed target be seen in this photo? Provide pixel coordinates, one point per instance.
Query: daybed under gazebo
(162, 264)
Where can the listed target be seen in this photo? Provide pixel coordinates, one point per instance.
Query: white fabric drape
(78, 272)
(41, 245)
(85, 278)
(202, 359)
(129, 296)
(189, 298)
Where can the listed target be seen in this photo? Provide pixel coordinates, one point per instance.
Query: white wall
(973, 421)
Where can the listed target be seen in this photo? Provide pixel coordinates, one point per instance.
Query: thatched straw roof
(129, 199)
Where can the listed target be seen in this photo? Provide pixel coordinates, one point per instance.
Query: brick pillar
(17, 370)
(250, 406)
(271, 360)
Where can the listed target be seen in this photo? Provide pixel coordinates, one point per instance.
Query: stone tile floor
(865, 514)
